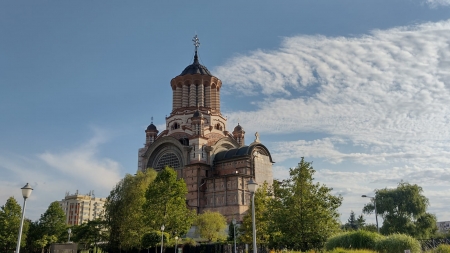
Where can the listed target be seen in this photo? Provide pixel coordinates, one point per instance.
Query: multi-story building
(81, 208)
(214, 162)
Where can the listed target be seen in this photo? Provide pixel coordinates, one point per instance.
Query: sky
(359, 88)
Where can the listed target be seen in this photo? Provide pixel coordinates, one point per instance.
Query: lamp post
(375, 205)
(162, 237)
(234, 233)
(252, 186)
(26, 192)
(176, 243)
(70, 232)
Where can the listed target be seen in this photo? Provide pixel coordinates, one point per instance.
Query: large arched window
(167, 154)
(167, 159)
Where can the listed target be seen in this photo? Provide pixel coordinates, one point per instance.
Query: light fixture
(26, 192)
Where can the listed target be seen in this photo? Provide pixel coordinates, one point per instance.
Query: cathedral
(216, 164)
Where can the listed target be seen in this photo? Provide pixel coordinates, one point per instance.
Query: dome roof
(151, 127)
(238, 128)
(195, 68)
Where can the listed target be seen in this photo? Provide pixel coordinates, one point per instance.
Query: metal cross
(152, 119)
(196, 42)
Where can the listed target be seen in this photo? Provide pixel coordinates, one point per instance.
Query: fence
(432, 243)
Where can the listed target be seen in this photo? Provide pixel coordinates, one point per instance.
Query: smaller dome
(238, 128)
(197, 114)
(151, 127)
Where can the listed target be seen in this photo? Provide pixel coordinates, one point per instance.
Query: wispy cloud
(381, 99)
(437, 3)
(51, 174)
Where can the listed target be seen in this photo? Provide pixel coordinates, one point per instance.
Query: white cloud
(380, 99)
(436, 3)
(51, 174)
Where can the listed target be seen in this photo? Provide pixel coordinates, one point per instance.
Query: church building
(216, 164)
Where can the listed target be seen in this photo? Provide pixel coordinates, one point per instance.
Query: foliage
(10, 216)
(53, 224)
(304, 213)
(351, 222)
(233, 231)
(89, 233)
(166, 204)
(124, 212)
(442, 248)
(403, 210)
(398, 243)
(341, 250)
(211, 226)
(353, 240)
(152, 239)
(262, 217)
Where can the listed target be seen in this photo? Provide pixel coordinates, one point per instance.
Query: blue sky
(361, 88)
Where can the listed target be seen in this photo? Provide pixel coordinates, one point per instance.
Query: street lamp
(252, 186)
(26, 191)
(234, 233)
(162, 237)
(375, 204)
(176, 243)
(70, 232)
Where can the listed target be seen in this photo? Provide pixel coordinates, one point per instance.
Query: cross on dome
(196, 42)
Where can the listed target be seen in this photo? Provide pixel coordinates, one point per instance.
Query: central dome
(195, 68)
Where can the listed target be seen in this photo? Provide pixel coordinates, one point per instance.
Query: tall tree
(263, 197)
(10, 215)
(361, 221)
(403, 210)
(90, 233)
(166, 204)
(53, 222)
(124, 212)
(211, 226)
(352, 223)
(304, 213)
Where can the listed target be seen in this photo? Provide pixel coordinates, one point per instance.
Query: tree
(361, 222)
(53, 222)
(166, 204)
(10, 216)
(262, 218)
(124, 212)
(89, 233)
(211, 226)
(232, 232)
(352, 223)
(304, 213)
(403, 210)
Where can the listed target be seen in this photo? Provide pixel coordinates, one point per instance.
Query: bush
(353, 240)
(442, 248)
(341, 250)
(398, 243)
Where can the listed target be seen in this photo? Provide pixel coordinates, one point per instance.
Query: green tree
(211, 226)
(263, 217)
(89, 233)
(166, 204)
(124, 212)
(304, 213)
(10, 216)
(352, 223)
(403, 210)
(361, 221)
(233, 231)
(53, 223)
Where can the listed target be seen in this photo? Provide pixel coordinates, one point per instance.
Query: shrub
(442, 248)
(398, 243)
(353, 240)
(341, 250)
